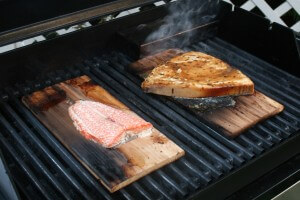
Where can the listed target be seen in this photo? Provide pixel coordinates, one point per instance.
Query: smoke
(185, 15)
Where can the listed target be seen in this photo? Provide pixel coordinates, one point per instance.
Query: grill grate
(43, 168)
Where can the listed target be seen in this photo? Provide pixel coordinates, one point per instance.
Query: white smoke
(185, 15)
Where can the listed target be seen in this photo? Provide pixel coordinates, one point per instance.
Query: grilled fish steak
(197, 75)
(106, 125)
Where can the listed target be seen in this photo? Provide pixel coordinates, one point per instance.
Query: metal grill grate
(43, 168)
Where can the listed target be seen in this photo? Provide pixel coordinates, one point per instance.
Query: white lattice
(274, 15)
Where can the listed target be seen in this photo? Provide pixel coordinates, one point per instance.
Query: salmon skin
(206, 104)
(106, 125)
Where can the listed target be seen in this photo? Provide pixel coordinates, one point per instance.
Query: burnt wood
(115, 168)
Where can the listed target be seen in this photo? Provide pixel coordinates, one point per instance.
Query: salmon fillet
(107, 125)
(197, 75)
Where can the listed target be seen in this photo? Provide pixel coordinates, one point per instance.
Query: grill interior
(43, 168)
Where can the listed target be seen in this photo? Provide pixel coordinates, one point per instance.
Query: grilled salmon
(197, 75)
(107, 125)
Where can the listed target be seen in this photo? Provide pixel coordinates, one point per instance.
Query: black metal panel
(273, 43)
(15, 13)
(272, 183)
(24, 19)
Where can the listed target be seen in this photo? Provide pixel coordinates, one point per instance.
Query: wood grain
(248, 111)
(114, 168)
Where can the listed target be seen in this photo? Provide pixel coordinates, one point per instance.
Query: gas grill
(214, 167)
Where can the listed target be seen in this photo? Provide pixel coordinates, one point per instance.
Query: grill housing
(214, 166)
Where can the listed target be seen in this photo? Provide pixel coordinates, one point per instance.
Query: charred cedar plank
(248, 110)
(114, 168)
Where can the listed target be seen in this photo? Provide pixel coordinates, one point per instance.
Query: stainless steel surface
(291, 193)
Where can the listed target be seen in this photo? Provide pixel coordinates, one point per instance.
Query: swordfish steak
(106, 125)
(197, 75)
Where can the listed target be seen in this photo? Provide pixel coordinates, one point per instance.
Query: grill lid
(23, 19)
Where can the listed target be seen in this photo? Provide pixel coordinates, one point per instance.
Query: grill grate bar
(260, 140)
(274, 135)
(283, 130)
(37, 162)
(46, 152)
(251, 146)
(231, 144)
(180, 180)
(67, 157)
(197, 173)
(141, 190)
(154, 184)
(125, 194)
(270, 137)
(282, 120)
(24, 168)
(182, 175)
(167, 179)
(291, 118)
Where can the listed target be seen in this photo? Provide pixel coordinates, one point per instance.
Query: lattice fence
(285, 12)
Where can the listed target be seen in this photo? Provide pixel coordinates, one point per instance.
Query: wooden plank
(248, 111)
(115, 168)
